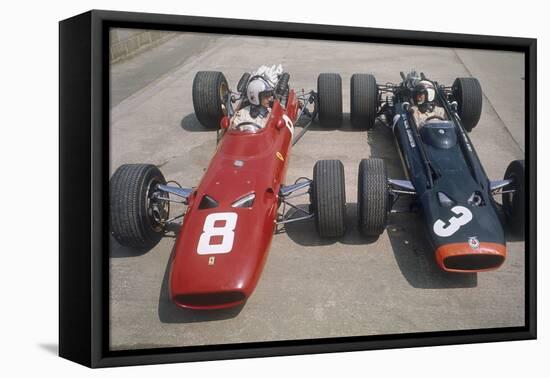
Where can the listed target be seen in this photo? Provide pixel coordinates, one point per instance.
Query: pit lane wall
(126, 43)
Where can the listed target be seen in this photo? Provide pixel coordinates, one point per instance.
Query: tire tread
(515, 209)
(467, 92)
(372, 197)
(129, 219)
(329, 89)
(329, 197)
(206, 99)
(363, 100)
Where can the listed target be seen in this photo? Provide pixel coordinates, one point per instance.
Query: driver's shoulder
(244, 109)
(439, 110)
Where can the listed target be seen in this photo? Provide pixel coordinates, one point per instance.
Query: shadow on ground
(191, 123)
(169, 313)
(118, 251)
(50, 348)
(305, 232)
(345, 125)
(415, 256)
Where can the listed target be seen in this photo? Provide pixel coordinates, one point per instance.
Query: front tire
(210, 94)
(514, 203)
(329, 99)
(467, 92)
(363, 100)
(133, 203)
(373, 199)
(329, 198)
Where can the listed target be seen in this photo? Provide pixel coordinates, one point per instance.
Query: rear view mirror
(224, 123)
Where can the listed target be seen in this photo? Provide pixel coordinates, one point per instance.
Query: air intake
(246, 201)
(208, 202)
(210, 299)
(473, 262)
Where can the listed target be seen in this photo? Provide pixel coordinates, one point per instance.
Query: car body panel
(458, 228)
(220, 250)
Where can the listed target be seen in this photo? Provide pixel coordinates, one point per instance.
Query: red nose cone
(464, 258)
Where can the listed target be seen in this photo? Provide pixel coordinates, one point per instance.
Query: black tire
(363, 100)
(514, 203)
(373, 199)
(329, 99)
(329, 198)
(467, 92)
(131, 188)
(281, 90)
(210, 91)
(243, 82)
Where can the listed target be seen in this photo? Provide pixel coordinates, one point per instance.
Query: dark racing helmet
(424, 95)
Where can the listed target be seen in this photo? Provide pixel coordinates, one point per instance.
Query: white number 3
(225, 234)
(444, 230)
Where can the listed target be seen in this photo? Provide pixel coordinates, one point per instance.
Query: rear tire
(210, 91)
(467, 92)
(363, 100)
(514, 203)
(243, 83)
(329, 198)
(131, 189)
(373, 200)
(329, 99)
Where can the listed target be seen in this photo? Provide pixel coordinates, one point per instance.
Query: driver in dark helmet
(260, 96)
(424, 108)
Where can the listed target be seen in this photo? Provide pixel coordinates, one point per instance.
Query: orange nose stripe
(487, 256)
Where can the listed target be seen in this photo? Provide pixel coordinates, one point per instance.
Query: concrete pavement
(310, 288)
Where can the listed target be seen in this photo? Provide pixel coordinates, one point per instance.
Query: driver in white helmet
(424, 108)
(260, 96)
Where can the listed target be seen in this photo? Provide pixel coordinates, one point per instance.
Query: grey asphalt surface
(310, 287)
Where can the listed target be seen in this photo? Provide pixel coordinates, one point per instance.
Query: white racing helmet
(426, 88)
(256, 89)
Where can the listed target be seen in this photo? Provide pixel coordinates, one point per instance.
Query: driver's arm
(440, 112)
(416, 114)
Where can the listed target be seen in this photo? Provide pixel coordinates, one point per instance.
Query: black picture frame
(83, 182)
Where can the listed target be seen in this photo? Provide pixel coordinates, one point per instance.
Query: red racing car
(231, 216)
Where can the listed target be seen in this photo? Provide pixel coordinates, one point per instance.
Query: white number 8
(464, 216)
(226, 232)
